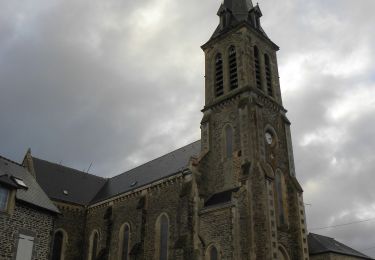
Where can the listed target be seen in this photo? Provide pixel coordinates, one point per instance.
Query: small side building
(327, 248)
(26, 215)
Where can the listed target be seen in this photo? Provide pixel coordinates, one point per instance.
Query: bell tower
(246, 139)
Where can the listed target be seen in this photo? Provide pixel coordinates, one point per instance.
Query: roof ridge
(9, 160)
(155, 159)
(70, 168)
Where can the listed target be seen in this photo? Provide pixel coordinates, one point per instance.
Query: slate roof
(54, 178)
(83, 188)
(319, 244)
(164, 166)
(240, 11)
(34, 194)
(239, 8)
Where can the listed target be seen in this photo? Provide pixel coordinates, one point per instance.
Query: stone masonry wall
(216, 227)
(72, 221)
(141, 210)
(28, 221)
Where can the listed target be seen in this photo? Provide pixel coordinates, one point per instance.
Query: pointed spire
(239, 8)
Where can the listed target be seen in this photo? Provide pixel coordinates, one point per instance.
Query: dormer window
(219, 81)
(4, 198)
(20, 182)
(233, 76)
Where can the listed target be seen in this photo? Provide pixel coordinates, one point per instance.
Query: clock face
(269, 138)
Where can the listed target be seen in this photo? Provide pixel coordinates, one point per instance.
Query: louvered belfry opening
(233, 77)
(219, 81)
(258, 78)
(268, 75)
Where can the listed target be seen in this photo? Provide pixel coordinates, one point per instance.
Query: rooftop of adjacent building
(15, 176)
(319, 244)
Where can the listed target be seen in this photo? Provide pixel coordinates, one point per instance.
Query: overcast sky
(120, 82)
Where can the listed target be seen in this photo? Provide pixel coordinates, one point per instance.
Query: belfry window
(228, 141)
(162, 228)
(233, 77)
(258, 78)
(213, 253)
(58, 241)
(219, 80)
(268, 75)
(279, 197)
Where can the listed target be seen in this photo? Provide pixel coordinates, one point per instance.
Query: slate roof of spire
(33, 194)
(240, 11)
(319, 244)
(239, 8)
(83, 188)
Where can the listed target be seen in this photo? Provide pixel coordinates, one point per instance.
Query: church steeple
(246, 140)
(234, 12)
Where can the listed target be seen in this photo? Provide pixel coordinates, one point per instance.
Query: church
(233, 195)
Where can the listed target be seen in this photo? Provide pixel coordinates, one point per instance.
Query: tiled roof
(33, 194)
(319, 244)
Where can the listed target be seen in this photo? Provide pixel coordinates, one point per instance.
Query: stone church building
(233, 195)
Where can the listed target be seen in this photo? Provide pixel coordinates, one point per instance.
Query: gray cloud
(121, 82)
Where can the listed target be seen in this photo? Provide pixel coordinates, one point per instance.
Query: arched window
(228, 141)
(283, 255)
(94, 245)
(279, 197)
(58, 243)
(213, 253)
(219, 80)
(258, 77)
(233, 77)
(162, 234)
(124, 242)
(268, 75)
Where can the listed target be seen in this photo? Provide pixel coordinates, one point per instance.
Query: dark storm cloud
(121, 82)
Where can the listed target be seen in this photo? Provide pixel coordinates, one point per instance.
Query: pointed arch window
(268, 74)
(219, 80)
(124, 241)
(279, 179)
(258, 78)
(162, 234)
(233, 76)
(94, 245)
(58, 244)
(228, 141)
(213, 253)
